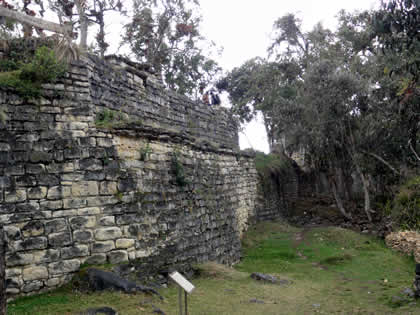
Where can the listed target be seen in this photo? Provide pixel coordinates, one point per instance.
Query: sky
(242, 28)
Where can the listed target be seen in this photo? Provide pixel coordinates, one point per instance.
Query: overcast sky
(242, 28)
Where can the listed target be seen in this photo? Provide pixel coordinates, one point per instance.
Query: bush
(406, 205)
(27, 78)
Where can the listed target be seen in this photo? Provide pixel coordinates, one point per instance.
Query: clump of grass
(218, 271)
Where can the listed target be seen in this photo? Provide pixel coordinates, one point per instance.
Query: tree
(165, 34)
(28, 20)
(97, 15)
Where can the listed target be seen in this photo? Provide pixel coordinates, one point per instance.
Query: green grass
(330, 271)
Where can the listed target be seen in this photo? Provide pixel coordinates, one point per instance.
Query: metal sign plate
(182, 282)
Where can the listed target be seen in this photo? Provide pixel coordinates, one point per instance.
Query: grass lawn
(329, 271)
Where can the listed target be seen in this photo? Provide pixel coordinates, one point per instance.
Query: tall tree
(165, 34)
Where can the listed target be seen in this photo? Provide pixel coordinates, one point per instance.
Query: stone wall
(407, 242)
(108, 166)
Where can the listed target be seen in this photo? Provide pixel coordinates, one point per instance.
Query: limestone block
(59, 239)
(33, 228)
(89, 188)
(35, 273)
(18, 195)
(103, 247)
(88, 211)
(52, 205)
(39, 192)
(64, 266)
(54, 226)
(54, 282)
(83, 222)
(96, 259)
(14, 170)
(28, 244)
(109, 233)
(32, 286)
(58, 192)
(91, 164)
(108, 188)
(104, 142)
(12, 232)
(19, 259)
(64, 213)
(45, 256)
(83, 236)
(74, 203)
(13, 273)
(117, 256)
(124, 243)
(107, 221)
(74, 251)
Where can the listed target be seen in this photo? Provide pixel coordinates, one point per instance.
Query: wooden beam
(35, 22)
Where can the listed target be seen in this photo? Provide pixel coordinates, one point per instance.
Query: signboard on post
(184, 285)
(182, 282)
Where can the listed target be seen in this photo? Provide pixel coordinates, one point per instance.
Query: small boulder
(268, 278)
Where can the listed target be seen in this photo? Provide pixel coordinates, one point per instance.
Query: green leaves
(165, 33)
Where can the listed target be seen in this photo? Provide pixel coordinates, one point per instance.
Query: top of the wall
(126, 97)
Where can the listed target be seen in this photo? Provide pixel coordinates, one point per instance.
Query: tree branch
(36, 22)
(412, 149)
(383, 161)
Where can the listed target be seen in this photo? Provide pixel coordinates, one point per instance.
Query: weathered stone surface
(38, 192)
(89, 188)
(108, 188)
(54, 226)
(64, 267)
(107, 221)
(103, 247)
(83, 236)
(407, 242)
(124, 243)
(73, 192)
(33, 228)
(29, 244)
(83, 222)
(117, 256)
(96, 259)
(59, 239)
(75, 251)
(35, 273)
(109, 233)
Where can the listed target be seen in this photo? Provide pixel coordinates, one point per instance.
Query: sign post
(184, 285)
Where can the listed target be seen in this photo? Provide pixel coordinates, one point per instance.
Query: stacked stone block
(74, 193)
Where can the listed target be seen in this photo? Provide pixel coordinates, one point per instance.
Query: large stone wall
(162, 180)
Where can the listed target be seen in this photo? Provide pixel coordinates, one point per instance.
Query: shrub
(27, 78)
(406, 205)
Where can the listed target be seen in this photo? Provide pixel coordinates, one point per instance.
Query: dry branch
(35, 22)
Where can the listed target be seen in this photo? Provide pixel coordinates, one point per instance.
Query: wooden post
(3, 297)
(186, 303)
(180, 299)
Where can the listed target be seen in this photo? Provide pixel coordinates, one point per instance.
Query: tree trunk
(35, 22)
(84, 23)
(365, 190)
(337, 198)
(3, 297)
